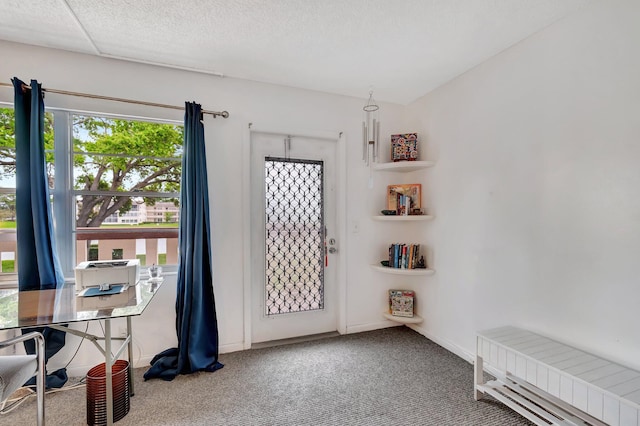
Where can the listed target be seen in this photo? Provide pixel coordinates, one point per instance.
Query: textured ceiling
(401, 48)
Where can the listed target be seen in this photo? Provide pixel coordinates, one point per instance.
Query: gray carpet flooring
(392, 376)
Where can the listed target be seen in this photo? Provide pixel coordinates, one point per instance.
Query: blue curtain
(38, 264)
(196, 321)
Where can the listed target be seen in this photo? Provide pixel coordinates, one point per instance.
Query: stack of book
(404, 256)
(405, 199)
(403, 205)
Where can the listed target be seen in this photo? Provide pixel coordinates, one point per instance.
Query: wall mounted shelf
(399, 271)
(410, 218)
(403, 166)
(404, 320)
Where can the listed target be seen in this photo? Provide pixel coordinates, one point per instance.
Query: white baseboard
(231, 347)
(144, 361)
(451, 347)
(78, 370)
(81, 370)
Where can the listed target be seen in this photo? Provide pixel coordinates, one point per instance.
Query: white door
(293, 228)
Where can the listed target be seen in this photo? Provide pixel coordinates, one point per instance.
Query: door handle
(333, 250)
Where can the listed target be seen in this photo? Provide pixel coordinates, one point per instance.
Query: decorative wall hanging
(370, 131)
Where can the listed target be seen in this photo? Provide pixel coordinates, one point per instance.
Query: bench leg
(478, 376)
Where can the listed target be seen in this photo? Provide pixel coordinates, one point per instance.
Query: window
(114, 183)
(7, 192)
(8, 265)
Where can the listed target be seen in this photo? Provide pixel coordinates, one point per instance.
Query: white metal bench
(549, 382)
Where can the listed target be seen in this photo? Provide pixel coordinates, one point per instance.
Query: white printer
(97, 272)
(129, 297)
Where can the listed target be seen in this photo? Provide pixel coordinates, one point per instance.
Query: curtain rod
(223, 114)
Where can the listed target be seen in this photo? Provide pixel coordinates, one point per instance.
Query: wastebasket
(97, 392)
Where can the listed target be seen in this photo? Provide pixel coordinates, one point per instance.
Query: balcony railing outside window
(151, 246)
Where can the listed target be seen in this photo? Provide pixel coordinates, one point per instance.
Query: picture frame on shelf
(405, 199)
(401, 303)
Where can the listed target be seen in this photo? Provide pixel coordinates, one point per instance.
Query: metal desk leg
(130, 351)
(108, 364)
(40, 378)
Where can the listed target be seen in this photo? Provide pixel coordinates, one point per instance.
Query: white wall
(536, 190)
(267, 107)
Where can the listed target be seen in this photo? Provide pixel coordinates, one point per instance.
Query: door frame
(341, 234)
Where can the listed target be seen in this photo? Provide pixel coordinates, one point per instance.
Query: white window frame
(64, 195)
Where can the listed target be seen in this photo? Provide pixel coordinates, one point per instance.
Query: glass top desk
(52, 308)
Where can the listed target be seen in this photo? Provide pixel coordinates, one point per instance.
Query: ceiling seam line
(82, 28)
(123, 58)
(161, 64)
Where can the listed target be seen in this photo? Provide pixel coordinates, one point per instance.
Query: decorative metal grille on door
(294, 236)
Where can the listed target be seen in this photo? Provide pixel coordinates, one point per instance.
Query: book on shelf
(401, 303)
(404, 256)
